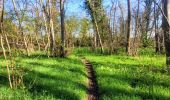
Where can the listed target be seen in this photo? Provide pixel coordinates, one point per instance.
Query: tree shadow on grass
(115, 91)
(70, 68)
(61, 87)
(54, 85)
(4, 80)
(125, 77)
(111, 91)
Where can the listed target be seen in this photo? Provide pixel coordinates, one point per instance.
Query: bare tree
(20, 27)
(47, 14)
(46, 26)
(17, 15)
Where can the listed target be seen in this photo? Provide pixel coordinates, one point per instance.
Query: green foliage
(84, 32)
(146, 42)
(84, 27)
(9, 27)
(72, 25)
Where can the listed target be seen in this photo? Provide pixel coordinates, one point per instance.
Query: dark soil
(92, 82)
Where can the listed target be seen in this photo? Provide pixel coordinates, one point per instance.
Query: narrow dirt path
(92, 82)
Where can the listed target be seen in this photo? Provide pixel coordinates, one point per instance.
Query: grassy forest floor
(119, 77)
(131, 78)
(47, 79)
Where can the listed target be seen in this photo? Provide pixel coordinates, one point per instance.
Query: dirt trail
(92, 82)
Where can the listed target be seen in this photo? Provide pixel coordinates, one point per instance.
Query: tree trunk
(156, 33)
(1, 15)
(98, 35)
(135, 38)
(166, 29)
(7, 64)
(128, 28)
(93, 12)
(62, 15)
(46, 49)
(51, 26)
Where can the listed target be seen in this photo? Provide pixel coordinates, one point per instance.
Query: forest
(84, 49)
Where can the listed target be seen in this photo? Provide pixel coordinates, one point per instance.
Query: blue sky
(75, 7)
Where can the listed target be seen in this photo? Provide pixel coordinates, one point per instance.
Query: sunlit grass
(48, 79)
(122, 77)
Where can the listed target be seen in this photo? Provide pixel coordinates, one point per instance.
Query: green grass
(47, 79)
(120, 77)
(130, 78)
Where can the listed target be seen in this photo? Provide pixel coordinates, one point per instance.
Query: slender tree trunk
(36, 25)
(36, 37)
(98, 35)
(2, 44)
(166, 29)
(135, 41)
(94, 16)
(50, 27)
(53, 38)
(113, 29)
(95, 38)
(128, 28)
(46, 28)
(1, 15)
(156, 33)
(52, 35)
(62, 15)
(20, 25)
(7, 64)
(26, 45)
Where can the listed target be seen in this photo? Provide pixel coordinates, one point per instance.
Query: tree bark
(46, 28)
(135, 38)
(49, 27)
(128, 27)
(1, 15)
(52, 35)
(62, 15)
(98, 35)
(166, 29)
(7, 64)
(156, 33)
